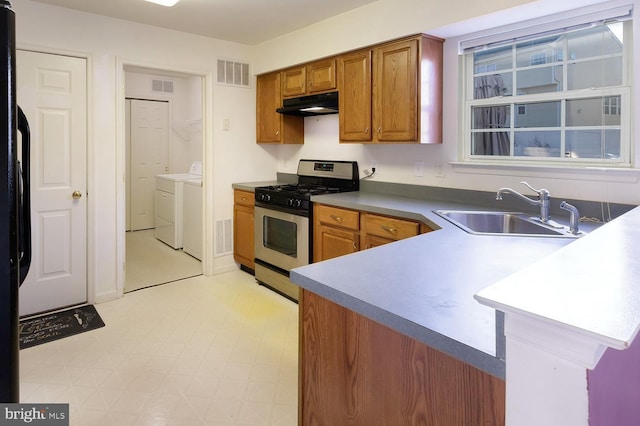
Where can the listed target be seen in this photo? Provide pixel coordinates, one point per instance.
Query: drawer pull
(390, 229)
(337, 218)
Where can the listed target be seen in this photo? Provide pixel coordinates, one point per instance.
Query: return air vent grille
(224, 237)
(233, 73)
(165, 86)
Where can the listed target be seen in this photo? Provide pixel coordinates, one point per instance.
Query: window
(561, 98)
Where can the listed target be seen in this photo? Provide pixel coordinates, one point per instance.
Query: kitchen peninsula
(393, 335)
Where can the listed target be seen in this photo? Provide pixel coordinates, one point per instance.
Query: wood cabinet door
(395, 92)
(268, 98)
(294, 82)
(354, 85)
(321, 76)
(330, 242)
(368, 241)
(271, 126)
(243, 241)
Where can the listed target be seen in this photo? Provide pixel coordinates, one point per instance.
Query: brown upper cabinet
(392, 92)
(354, 98)
(318, 76)
(271, 126)
(388, 93)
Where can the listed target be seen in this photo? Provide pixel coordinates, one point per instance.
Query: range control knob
(295, 203)
(265, 197)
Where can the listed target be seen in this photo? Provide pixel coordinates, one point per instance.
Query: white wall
(109, 44)
(396, 163)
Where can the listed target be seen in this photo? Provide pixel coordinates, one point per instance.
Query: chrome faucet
(574, 218)
(543, 201)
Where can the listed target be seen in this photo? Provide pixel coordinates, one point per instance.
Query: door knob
(76, 195)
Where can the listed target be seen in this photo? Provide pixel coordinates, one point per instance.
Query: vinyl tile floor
(150, 262)
(215, 350)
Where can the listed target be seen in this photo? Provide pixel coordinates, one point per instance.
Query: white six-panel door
(148, 127)
(52, 92)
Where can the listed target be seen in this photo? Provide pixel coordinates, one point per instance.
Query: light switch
(226, 124)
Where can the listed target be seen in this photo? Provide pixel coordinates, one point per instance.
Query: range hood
(304, 106)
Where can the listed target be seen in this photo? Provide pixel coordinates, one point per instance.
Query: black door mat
(50, 327)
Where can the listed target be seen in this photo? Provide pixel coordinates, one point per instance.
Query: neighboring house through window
(560, 97)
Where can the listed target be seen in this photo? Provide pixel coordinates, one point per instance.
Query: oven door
(281, 239)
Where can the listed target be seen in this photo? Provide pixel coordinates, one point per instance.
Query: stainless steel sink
(502, 223)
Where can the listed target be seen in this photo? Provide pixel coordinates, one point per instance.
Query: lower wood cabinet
(243, 241)
(335, 232)
(376, 230)
(355, 371)
(338, 231)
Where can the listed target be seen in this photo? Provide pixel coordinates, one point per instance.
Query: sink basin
(502, 223)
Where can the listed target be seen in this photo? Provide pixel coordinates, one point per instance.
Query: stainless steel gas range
(283, 220)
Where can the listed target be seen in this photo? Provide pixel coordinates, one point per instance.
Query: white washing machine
(192, 218)
(168, 204)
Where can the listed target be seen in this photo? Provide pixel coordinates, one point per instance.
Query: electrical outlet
(418, 168)
(374, 165)
(440, 173)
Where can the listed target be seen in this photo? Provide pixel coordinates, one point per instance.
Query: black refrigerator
(15, 226)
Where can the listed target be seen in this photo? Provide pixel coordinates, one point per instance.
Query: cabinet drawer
(388, 227)
(244, 198)
(332, 216)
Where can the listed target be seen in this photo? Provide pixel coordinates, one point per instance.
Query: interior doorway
(153, 96)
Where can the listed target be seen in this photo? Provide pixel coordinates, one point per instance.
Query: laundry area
(164, 239)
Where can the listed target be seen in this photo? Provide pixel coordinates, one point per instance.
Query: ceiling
(243, 21)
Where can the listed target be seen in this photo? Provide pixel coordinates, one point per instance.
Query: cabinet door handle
(390, 229)
(366, 130)
(336, 218)
(379, 129)
(277, 132)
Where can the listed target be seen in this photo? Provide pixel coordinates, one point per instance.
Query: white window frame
(624, 109)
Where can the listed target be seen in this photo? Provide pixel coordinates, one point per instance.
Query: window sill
(588, 173)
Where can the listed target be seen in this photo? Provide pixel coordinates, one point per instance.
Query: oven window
(280, 235)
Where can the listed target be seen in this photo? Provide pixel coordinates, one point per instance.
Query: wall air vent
(233, 73)
(165, 86)
(224, 237)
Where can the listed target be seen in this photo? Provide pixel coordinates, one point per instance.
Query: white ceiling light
(167, 3)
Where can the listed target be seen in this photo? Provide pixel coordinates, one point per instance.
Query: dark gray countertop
(251, 186)
(424, 286)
